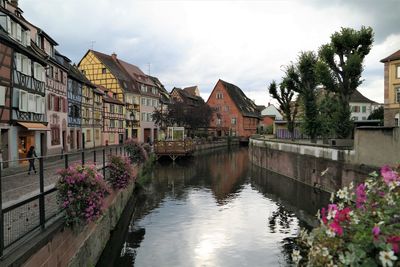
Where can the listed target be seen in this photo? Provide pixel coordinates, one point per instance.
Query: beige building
(392, 89)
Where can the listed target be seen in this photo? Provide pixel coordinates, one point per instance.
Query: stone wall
(376, 146)
(323, 167)
(82, 246)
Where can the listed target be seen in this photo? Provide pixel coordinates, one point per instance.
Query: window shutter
(9, 25)
(18, 59)
(27, 38)
(19, 33)
(28, 67)
(43, 100)
(23, 101)
(2, 95)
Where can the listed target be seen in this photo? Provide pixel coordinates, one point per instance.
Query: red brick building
(234, 113)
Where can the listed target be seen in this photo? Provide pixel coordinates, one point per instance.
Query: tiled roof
(357, 97)
(244, 104)
(191, 90)
(106, 97)
(394, 56)
(124, 80)
(185, 95)
(135, 73)
(75, 73)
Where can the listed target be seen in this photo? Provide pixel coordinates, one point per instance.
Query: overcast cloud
(198, 42)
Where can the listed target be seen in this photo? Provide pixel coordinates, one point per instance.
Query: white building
(361, 107)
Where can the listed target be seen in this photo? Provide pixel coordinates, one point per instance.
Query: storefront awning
(34, 126)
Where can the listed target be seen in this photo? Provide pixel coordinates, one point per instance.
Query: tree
(377, 114)
(192, 117)
(285, 98)
(340, 69)
(302, 79)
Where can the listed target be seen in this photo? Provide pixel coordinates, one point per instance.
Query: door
(155, 135)
(147, 135)
(126, 134)
(121, 139)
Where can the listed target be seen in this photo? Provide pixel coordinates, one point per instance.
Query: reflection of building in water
(228, 174)
(297, 198)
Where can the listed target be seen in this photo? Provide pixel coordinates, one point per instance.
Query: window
(397, 71)
(219, 121)
(233, 121)
(143, 88)
(220, 96)
(55, 136)
(120, 124)
(2, 95)
(112, 123)
(154, 103)
(31, 103)
(23, 101)
(148, 102)
(355, 118)
(398, 94)
(148, 115)
(364, 109)
(88, 136)
(97, 134)
(103, 71)
(39, 72)
(226, 108)
(143, 101)
(143, 116)
(115, 95)
(356, 108)
(39, 107)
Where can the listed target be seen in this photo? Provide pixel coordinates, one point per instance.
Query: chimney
(14, 2)
(114, 56)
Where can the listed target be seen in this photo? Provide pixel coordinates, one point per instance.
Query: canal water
(216, 209)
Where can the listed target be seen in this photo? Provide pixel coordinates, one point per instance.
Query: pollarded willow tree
(285, 98)
(301, 78)
(340, 69)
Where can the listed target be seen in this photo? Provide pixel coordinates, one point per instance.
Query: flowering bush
(137, 154)
(81, 190)
(121, 171)
(361, 229)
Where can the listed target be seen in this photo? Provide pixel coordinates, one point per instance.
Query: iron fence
(29, 202)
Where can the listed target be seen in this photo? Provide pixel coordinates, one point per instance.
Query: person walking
(31, 155)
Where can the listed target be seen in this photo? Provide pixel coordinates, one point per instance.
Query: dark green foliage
(287, 105)
(191, 117)
(340, 68)
(302, 79)
(377, 114)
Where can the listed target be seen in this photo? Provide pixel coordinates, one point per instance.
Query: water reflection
(217, 210)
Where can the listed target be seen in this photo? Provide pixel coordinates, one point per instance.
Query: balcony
(28, 82)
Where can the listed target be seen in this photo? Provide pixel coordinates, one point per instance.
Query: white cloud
(198, 42)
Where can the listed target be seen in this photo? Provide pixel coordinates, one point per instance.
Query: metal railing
(29, 202)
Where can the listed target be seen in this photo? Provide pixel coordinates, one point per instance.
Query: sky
(247, 43)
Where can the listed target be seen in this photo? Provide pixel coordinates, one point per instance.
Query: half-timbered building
(87, 113)
(74, 94)
(105, 71)
(28, 122)
(113, 119)
(97, 116)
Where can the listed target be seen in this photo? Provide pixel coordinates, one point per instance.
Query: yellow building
(104, 70)
(392, 89)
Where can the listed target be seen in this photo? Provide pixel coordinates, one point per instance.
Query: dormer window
(103, 71)
(220, 96)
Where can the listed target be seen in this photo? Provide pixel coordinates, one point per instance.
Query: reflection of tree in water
(282, 218)
(129, 249)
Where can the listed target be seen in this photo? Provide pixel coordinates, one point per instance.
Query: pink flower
(388, 174)
(376, 231)
(394, 241)
(343, 215)
(335, 226)
(361, 196)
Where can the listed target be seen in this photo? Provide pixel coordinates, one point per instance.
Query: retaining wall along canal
(82, 247)
(322, 167)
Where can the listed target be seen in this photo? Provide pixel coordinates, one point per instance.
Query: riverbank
(323, 167)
